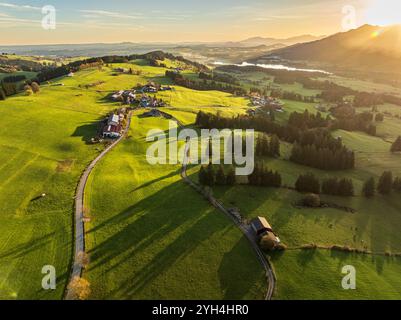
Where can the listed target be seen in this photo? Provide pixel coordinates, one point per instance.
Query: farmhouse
(112, 127)
(267, 102)
(262, 229)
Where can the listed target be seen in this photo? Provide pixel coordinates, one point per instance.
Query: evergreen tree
(369, 188)
(330, 186)
(2, 94)
(220, 177)
(346, 187)
(396, 146)
(211, 176)
(230, 178)
(203, 176)
(308, 183)
(397, 184)
(385, 183)
(274, 148)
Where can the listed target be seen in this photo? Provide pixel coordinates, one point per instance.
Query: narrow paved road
(79, 209)
(245, 228)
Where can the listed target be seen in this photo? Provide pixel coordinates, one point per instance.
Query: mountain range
(368, 48)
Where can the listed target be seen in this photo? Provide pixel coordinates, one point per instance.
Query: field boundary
(79, 230)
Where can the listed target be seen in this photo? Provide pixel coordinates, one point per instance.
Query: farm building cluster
(112, 126)
(141, 96)
(267, 102)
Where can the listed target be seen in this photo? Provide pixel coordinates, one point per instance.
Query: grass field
(150, 235)
(153, 237)
(43, 144)
(43, 150)
(317, 274)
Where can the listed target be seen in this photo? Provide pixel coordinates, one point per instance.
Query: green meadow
(152, 237)
(44, 150)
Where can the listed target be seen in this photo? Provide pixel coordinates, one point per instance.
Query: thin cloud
(18, 6)
(110, 14)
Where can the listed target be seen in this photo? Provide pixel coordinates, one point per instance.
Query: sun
(383, 12)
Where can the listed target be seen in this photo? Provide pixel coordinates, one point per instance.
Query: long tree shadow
(23, 249)
(236, 283)
(88, 130)
(175, 216)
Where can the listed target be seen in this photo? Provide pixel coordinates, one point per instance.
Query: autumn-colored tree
(79, 288)
(83, 259)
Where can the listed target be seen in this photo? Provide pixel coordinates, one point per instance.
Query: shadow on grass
(88, 130)
(155, 234)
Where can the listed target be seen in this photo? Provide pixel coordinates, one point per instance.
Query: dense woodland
(313, 146)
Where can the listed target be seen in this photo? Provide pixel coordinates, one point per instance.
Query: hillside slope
(368, 48)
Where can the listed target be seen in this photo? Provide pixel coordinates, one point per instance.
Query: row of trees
(314, 147)
(289, 95)
(385, 185)
(323, 158)
(183, 81)
(317, 148)
(307, 120)
(334, 186)
(264, 177)
(264, 147)
(208, 176)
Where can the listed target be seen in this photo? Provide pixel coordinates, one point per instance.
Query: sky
(90, 21)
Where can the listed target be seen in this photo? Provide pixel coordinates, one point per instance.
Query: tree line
(209, 176)
(204, 85)
(309, 183)
(386, 184)
(313, 147)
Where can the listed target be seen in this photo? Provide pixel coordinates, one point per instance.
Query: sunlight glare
(384, 12)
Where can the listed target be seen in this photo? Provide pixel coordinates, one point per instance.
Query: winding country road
(79, 210)
(245, 228)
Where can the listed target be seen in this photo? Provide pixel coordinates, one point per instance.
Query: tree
(83, 259)
(369, 188)
(35, 87)
(220, 177)
(330, 186)
(385, 183)
(267, 243)
(308, 183)
(312, 200)
(397, 184)
(230, 178)
(274, 147)
(210, 174)
(379, 117)
(79, 288)
(2, 94)
(396, 146)
(202, 176)
(346, 187)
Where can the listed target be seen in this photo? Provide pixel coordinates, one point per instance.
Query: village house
(267, 102)
(262, 229)
(112, 128)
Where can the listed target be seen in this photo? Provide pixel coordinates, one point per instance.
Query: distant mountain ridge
(368, 48)
(258, 41)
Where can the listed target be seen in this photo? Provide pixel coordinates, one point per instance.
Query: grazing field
(317, 274)
(152, 237)
(43, 150)
(43, 144)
